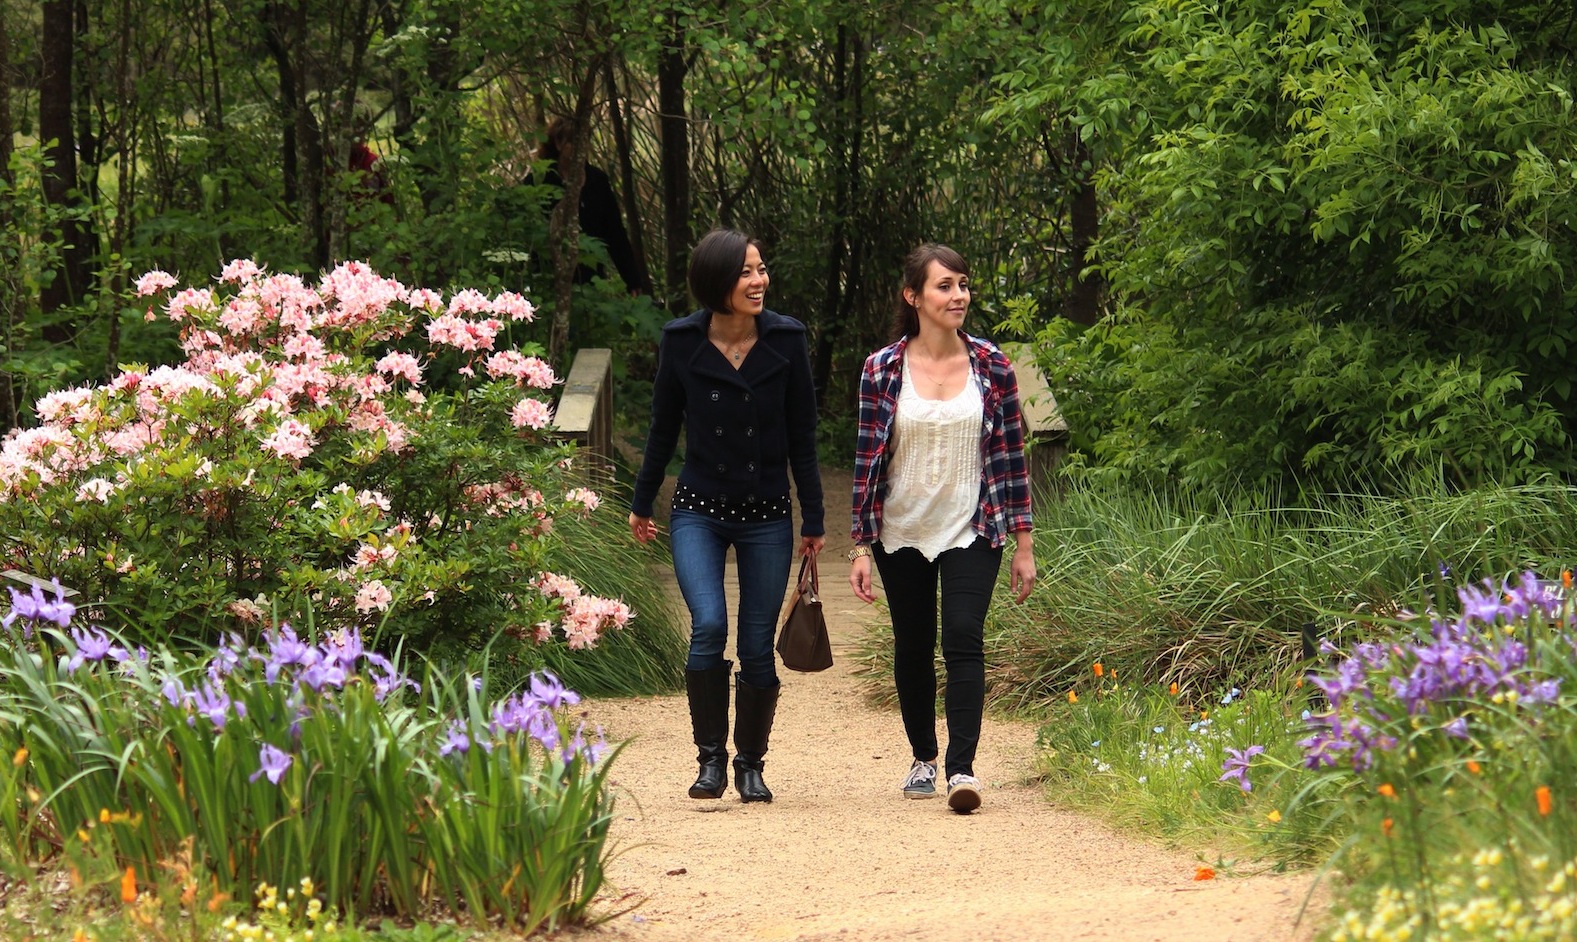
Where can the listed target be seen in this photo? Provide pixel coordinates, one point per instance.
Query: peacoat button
(719, 431)
(750, 466)
(747, 397)
(750, 430)
(721, 468)
(716, 395)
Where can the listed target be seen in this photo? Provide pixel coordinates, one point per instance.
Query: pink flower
(513, 306)
(470, 301)
(97, 490)
(239, 270)
(531, 413)
(402, 365)
(584, 496)
(373, 595)
(553, 585)
(292, 439)
(153, 282)
(425, 299)
(304, 346)
(532, 371)
(190, 301)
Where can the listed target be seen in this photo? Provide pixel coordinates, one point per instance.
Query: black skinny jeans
(966, 577)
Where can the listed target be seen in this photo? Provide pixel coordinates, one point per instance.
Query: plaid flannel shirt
(1004, 484)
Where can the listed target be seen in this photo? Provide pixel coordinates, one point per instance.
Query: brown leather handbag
(803, 642)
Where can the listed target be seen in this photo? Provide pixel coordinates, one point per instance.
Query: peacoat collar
(687, 336)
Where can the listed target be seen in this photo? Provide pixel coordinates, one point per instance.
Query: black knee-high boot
(755, 709)
(708, 692)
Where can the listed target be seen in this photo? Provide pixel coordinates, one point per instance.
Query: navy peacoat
(744, 428)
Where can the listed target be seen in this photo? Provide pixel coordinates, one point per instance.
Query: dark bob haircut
(906, 320)
(715, 264)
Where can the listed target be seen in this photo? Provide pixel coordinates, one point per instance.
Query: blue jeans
(763, 552)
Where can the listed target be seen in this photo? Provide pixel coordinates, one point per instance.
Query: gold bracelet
(858, 551)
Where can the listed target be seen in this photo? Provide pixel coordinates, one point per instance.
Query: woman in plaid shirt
(940, 487)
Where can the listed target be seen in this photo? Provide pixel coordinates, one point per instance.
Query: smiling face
(944, 300)
(750, 291)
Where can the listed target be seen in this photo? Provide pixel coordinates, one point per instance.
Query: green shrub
(294, 462)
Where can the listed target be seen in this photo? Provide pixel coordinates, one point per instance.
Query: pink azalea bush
(377, 454)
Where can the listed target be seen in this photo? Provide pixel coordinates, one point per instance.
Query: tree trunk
(309, 154)
(10, 287)
(59, 180)
(831, 328)
(275, 36)
(564, 224)
(1084, 300)
(627, 187)
(675, 163)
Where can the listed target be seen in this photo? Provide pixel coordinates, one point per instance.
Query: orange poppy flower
(1566, 579)
(1474, 767)
(1386, 825)
(1542, 795)
(1173, 688)
(1073, 696)
(128, 885)
(1387, 790)
(1202, 872)
(1099, 670)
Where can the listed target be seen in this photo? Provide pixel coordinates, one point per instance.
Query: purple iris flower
(1236, 766)
(343, 648)
(93, 645)
(551, 693)
(214, 703)
(174, 691)
(455, 740)
(285, 649)
(33, 606)
(320, 674)
(272, 762)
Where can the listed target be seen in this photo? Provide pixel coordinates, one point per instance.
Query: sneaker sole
(918, 795)
(963, 799)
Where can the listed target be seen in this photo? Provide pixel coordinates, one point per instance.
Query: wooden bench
(1045, 430)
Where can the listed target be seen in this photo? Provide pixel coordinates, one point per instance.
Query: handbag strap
(809, 561)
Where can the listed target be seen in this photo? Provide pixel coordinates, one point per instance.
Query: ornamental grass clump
(296, 758)
(377, 456)
(1453, 734)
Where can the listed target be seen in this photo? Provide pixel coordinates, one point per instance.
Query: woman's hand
(1021, 578)
(643, 528)
(811, 545)
(860, 579)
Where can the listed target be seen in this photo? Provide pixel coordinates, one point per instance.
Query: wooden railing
(585, 410)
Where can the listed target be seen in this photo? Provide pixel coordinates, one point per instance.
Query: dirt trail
(841, 854)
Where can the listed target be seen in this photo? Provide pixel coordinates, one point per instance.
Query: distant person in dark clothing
(599, 210)
(372, 183)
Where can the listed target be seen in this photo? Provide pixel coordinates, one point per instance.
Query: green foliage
(1335, 240)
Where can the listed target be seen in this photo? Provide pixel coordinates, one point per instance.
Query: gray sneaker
(921, 780)
(963, 793)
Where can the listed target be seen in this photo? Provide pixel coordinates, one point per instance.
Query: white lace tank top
(933, 475)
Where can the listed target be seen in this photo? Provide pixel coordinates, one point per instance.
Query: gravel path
(841, 854)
